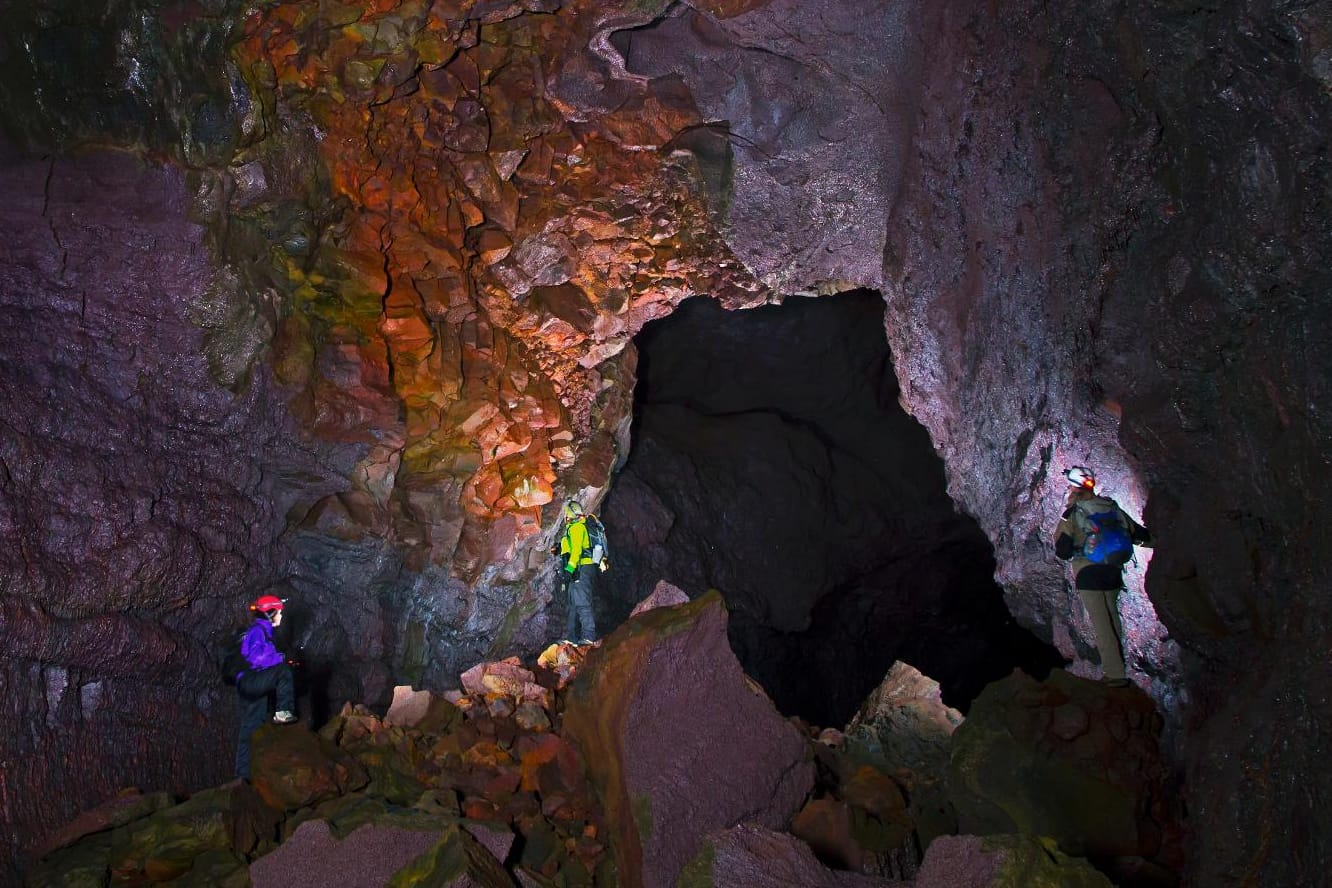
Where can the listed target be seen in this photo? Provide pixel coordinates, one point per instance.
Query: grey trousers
(580, 605)
(1103, 608)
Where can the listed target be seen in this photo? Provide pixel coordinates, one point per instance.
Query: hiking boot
(284, 717)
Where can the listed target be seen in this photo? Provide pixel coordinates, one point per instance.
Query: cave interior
(813, 303)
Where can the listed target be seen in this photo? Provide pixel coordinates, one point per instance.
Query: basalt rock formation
(339, 300)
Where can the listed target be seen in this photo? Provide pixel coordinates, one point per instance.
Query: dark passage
(772, 461)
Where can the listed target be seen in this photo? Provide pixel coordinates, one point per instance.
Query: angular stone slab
(679, 742)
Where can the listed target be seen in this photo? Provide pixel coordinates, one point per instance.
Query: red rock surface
(648, 713)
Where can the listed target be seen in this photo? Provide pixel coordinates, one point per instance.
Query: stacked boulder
(650, 759)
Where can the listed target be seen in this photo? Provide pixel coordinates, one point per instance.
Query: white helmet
(1081, 476)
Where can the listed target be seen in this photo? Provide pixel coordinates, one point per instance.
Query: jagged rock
(663, 595)
(458, 860)
(505, 678)
(293, 768)
(1067, 758)
(126, 807)
(678, 742)
(562, 661)
(216, 869)
(230, 820)
(1001, 861)
(904, 729)
(906, 722)
(409, 706)
(750, 856)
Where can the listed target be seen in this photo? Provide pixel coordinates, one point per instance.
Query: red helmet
(266, 604)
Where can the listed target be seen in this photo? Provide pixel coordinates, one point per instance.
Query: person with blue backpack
(1098, 537)
(582, 550)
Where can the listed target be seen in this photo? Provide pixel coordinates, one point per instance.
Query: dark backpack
(230, 661)
(596, 539)
(1106, 540)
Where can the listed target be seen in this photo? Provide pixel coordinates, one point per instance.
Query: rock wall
(1107, 253)
(138, 499)
(429, 231)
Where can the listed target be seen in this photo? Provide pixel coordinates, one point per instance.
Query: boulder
(313, 857)
(561, 663)
(678, 742)
(905, 722)
(995, 861)
(229, 820)
(664, 595)
(749, 856)
(129, 805)
(1067, 758)
(293, 768)
(408, 706)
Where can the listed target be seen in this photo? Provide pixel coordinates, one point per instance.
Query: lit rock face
(1108, 251)
(138, 499)
(773, 463)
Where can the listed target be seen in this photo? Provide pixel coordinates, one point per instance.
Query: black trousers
(255, 688)
(580, 605)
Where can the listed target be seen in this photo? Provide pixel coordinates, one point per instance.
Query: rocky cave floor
(649, 758)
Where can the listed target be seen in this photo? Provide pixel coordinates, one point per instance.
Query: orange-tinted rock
(292, 768)
(825, 825)
(516, 226)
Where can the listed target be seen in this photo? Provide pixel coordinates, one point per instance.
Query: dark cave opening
(772, 461)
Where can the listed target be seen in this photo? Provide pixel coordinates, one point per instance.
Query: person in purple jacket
(266, 673)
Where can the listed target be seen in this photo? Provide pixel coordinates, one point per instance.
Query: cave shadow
(773, 462)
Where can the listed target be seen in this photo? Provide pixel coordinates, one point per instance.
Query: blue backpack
(1105, 538)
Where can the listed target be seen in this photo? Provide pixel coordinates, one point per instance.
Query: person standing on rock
(267, 673)
(1098, 537)
(579, 565)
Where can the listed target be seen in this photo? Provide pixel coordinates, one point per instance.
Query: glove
(605, 565)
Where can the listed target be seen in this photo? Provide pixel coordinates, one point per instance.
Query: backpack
(596, 539)
(1105, 538)
(230, 661)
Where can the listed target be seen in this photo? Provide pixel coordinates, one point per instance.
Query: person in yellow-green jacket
(579, 566)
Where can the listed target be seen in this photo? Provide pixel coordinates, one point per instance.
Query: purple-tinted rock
(679, 742)
(663, 595)
(750, 856)
(996, 861)
(313, 858)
